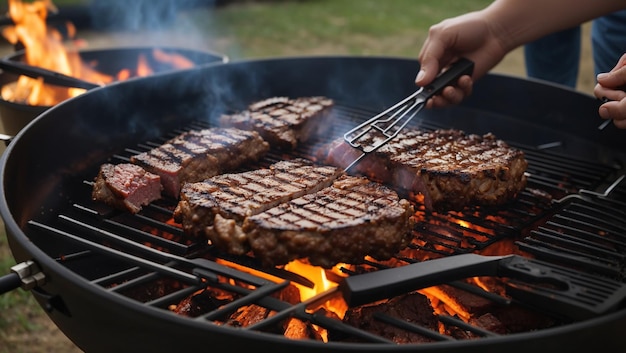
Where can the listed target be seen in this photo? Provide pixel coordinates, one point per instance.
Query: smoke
(108, 15)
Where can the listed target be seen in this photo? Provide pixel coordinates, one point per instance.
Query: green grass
(17, 306)
(354, 27)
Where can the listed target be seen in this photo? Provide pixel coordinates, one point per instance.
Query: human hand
(469, 35)
(610, 88)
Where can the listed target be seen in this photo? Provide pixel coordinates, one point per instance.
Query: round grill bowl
(40, 166)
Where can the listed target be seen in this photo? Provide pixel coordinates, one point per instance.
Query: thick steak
(449, 168)
(344, 222)
(295, 210)
(199, 154)
(215, 208)
(284, 122)
(126, 186)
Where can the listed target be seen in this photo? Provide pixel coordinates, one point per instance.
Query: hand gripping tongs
(377, 131)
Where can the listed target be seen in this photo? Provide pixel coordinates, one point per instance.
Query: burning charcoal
(298, 329)
(251, 314)
(148, 291)
(413, 308)
(454, 301)
(248, 315)
(126, 186)
(483, 312)
(202, 302)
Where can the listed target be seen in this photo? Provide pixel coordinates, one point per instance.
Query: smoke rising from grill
(139, 14)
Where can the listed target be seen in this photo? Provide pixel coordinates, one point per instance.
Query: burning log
(292, 328)
(149, 290)
(248, 315)
(251, 314)
(414, 308)
(483, 313)
(201, 302)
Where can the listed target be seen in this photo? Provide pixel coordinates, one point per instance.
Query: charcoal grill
(98, 267)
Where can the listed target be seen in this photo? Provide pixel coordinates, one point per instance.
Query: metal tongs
(377, 131)
(560, 290)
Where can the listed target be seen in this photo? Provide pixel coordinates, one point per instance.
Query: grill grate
(557, 217)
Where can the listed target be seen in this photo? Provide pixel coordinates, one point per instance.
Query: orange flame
(45, 47)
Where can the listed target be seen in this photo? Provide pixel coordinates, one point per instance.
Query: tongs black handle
(373, 286)
(459, 68)
(558, 283)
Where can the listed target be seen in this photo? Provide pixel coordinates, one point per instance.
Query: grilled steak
(199, 154)
(284, 122)
(296, 209)
(352, 218)
(449, 168)
(215, 208)
(126, 186)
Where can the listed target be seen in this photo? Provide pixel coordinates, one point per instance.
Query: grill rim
(23, 249)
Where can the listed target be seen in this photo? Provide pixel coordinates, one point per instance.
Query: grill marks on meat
(199, 154)
(126, 186)
(352, 218)
(215, 208)
(294, 210)
(450, 168)
(284, 122)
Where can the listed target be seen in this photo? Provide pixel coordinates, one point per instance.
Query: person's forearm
(517, 22)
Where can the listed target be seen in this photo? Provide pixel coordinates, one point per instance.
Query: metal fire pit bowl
(14, 116)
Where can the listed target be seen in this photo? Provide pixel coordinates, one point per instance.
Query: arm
(486, 36)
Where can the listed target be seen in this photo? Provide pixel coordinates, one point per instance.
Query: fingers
(615, 110)
(452, 95)
(616, 78)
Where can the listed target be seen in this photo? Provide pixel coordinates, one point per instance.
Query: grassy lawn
(308, 27)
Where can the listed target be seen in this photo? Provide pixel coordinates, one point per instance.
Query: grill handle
(26, 275)
(9, 282)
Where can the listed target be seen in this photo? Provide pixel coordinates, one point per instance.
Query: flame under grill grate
(559, 217)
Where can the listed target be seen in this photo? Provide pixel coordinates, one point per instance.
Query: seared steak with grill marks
(282, 121)
(199, 154)
(126, 186)
(450, 168)
(344, 222)
(215, 208)
(296, 209)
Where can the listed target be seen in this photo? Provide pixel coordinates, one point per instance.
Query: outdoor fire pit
(113, 62)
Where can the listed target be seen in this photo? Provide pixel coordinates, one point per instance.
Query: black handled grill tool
(380, 129)
(556, 289)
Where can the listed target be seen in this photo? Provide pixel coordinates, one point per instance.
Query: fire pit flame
(46, 48)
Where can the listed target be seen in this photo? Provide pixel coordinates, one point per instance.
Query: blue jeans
(556, 57)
